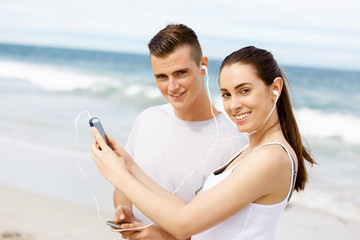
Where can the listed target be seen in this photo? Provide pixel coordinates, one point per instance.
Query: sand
(28, 216)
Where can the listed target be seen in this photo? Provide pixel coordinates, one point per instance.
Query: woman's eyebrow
(236, 87)
(240, 85)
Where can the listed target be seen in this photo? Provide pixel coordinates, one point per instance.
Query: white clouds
(318, 25)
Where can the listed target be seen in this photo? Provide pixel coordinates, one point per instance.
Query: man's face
(179, 79)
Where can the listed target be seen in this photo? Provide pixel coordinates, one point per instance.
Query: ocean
(43, 90)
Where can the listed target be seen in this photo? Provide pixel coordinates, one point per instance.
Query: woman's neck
(270, 132)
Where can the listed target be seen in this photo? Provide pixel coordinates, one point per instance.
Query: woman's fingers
(99, 139)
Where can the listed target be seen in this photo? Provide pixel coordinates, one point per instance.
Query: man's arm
(123, 212)
(123, 207)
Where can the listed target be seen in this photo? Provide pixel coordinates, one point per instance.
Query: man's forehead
(172, 63)
(179, 52)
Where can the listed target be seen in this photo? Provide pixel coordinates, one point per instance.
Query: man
(177, 144)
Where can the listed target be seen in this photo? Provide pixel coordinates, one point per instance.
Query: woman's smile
(241, 117)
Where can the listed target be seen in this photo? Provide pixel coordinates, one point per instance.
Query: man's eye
(160, 77)
(181, 72)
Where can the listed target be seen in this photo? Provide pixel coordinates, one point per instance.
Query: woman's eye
(245, 90)
(225, 95)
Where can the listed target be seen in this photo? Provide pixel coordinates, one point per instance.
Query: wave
(50, 77)
(344, 204)
(65, 79)
(321, 124)
(138, 88)
(318, 124)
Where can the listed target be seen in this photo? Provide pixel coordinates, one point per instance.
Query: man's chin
(177, 105)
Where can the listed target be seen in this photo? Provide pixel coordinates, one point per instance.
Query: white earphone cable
(216, 139)
(277, 96)
(183, 181)
(79, 165)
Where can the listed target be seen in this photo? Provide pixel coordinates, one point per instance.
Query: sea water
(42, 91)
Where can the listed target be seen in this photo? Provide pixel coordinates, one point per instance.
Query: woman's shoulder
(272, 156)
(263, 171)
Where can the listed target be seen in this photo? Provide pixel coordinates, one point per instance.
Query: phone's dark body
(95, 122)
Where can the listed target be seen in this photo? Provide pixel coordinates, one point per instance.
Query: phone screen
(115, 224)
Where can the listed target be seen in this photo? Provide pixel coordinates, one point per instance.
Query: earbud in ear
(276, 93)
(204, 67)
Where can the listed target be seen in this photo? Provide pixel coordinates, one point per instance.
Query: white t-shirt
(168, 149)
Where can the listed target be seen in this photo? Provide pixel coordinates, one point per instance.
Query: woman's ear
(277, 85)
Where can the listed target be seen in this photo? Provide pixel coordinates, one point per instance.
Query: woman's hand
(109, 163)
(121, 152)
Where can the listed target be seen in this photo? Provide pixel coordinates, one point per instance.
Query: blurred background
(61, 57)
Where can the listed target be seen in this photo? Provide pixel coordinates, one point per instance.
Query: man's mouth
(176, 95)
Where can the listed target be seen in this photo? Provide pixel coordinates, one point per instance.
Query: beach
(29, 216)
(43, 151)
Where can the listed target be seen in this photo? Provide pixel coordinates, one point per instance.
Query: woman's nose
(235, 103)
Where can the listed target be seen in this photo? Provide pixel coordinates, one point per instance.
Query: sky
(312, 33)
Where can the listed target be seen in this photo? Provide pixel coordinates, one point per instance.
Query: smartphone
(95, 122)
(115, 224)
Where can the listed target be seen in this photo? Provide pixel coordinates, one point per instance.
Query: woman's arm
(251, 180)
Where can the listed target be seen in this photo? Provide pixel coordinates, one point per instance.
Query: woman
(244, 198)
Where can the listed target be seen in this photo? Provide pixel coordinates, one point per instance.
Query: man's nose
(173, 84)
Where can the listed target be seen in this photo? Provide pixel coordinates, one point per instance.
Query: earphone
(204, 68)
(276, 93)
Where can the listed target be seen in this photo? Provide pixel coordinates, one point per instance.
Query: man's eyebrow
(182, 70)
(175, 72)
(159, 74)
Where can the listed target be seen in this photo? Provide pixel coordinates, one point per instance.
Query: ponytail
(292, 135)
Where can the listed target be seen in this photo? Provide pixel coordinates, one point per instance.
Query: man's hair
(173, 36)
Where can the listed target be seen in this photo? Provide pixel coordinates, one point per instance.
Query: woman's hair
(173, 36)
(267, 69)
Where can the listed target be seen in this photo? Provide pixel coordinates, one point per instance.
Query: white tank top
(255, 221)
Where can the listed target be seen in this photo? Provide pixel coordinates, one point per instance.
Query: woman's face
(246, 98)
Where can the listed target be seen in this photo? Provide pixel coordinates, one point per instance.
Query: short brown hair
(173, 36)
